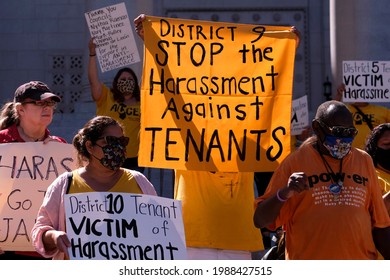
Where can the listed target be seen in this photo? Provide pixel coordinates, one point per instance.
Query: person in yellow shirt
(101, 150)
(366, 116)
(121, 102)
(378, 147)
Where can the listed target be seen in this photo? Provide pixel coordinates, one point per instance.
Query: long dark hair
(373, 138)
(8, 115)
(118, 96)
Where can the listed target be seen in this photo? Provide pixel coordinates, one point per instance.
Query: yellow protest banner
(215, 96)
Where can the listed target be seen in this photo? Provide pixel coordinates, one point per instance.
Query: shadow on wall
(162, 179)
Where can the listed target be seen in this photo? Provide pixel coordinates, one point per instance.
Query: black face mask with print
(126, 87)
(383, 158)
(114, 156)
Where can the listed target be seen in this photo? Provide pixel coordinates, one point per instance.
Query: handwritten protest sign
(26, 170)
(216, 96)
(366, 81)
(113, 35)
(299, 115)
(124, 226)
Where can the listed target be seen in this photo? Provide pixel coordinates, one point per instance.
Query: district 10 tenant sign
(124, 226)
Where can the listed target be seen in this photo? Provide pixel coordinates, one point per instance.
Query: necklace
(336, 187)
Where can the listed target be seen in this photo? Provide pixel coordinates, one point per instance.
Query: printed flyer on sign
(26, 171)
(124, 226)
(217, 95)
(366, 81)
(113, 35)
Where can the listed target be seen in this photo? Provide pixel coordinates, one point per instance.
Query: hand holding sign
(209, 116)
(125, 226)
(138, 25)
(57, 239)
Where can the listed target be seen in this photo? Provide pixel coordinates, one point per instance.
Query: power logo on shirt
(329, 178)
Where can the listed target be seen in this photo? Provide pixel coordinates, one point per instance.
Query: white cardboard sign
(124, 226)
(110, 27)
(26, 171)
(366, 81)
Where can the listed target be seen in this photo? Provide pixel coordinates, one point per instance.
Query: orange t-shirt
(317, 225)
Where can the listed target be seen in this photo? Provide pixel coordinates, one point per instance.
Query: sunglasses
(340, 131)
(110, 140)
(42, 103)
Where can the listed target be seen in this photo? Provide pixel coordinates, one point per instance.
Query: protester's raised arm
(93, 77)
(138, 25)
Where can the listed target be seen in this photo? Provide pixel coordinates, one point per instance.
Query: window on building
(66, 79)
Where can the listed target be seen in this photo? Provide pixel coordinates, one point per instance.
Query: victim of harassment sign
(216, 96)
(366, 81)
(124, 226)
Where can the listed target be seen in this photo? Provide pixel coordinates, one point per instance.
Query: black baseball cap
(34, 90)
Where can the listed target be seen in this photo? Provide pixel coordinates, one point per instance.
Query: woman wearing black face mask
(101, 151)
(121, 102)
(378, 147)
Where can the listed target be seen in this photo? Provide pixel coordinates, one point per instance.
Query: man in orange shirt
(326, 195)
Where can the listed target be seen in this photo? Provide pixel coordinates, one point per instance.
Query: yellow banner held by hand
(215, 96)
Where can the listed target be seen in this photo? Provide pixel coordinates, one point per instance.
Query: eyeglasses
(340, 131)
(42, 103)
(123, 140)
